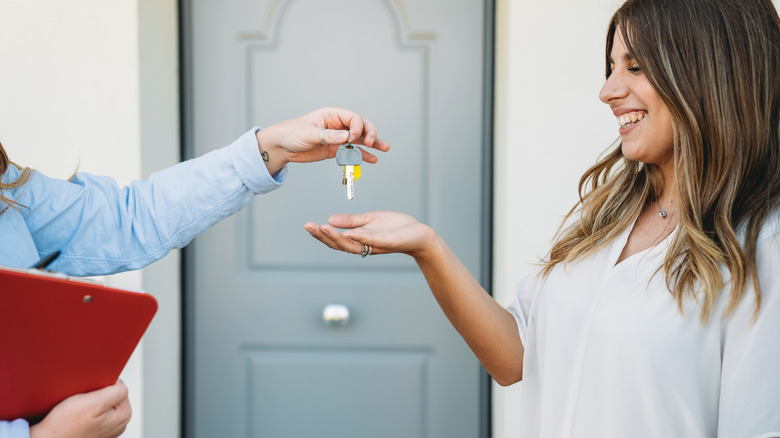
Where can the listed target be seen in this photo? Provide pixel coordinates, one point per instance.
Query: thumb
(333, 136)
(349, 221)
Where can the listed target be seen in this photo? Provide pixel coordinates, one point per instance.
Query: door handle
(335, 315)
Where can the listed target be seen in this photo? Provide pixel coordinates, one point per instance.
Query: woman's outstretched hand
(472, 311)
(317, 136)
(386, 232)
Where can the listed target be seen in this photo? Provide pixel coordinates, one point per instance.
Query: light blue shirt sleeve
(102, 228)
(14, 429)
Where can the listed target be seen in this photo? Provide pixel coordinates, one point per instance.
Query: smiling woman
(657, 310)
(710, 95)
(645, 121)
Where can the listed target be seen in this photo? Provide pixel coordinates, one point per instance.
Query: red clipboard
(61, 336)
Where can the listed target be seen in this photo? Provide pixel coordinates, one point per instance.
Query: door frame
(185, 99)
(486, 280)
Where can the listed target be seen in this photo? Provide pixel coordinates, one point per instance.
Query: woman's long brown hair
(23, 178)
(716, 65)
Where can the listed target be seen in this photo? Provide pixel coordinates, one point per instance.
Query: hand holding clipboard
(62, 336)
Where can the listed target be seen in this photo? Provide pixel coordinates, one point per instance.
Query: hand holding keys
(349, 157)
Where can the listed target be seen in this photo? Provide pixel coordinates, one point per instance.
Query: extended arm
(490, 330)
(102, 228)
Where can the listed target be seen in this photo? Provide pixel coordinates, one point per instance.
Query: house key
(349, 157)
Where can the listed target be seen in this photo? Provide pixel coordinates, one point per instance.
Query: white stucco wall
(69, 86)
(549, 128)
(73, 90)
(69, 99)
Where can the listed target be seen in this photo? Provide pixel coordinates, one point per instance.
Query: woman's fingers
(386, 232)
(110, 396)
(120, 416)
(332, 238)
(101, 413)
(316, 232)
(342, 242)
(342, 118)
(337, 121)
(368, 137)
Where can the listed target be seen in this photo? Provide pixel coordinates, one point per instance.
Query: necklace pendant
(662, 213)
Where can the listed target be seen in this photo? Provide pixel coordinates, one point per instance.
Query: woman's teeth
(630, 118)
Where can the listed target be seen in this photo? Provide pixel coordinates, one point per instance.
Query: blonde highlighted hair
(716, 65)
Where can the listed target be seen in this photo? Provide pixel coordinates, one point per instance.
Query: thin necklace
(664, 212)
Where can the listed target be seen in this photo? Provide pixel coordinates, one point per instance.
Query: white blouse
(608, 354)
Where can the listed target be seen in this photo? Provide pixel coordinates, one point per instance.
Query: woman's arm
(102, 228)
(490, 330)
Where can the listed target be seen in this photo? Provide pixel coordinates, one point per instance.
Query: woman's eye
(634, 69)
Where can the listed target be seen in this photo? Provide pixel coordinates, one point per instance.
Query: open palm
(385, 231)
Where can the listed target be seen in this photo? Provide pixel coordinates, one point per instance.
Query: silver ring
(365, 250)
(370, 248)
(322, 136)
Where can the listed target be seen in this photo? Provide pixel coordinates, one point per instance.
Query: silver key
(349, 157)
(349, 180)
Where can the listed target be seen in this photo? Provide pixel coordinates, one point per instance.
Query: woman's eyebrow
(626, 57)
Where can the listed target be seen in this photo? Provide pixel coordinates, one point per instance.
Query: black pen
(46, 261)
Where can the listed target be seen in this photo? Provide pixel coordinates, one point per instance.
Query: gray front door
(261, 361)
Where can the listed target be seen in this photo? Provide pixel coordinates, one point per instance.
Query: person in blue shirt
(140, 223)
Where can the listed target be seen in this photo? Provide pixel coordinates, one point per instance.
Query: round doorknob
(335, 315)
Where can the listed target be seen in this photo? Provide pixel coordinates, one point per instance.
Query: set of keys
(349, 157)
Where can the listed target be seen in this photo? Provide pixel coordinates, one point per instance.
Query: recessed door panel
(360, 392)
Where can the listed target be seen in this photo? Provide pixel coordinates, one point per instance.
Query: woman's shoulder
(14, 180)
(11, 175)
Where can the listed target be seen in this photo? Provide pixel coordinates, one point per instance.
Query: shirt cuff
(14, 429)
(250, 167)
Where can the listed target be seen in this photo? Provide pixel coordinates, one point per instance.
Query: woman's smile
(632, 98)
(630, 120)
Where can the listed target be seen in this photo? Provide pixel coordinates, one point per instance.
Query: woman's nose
(614, 88)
